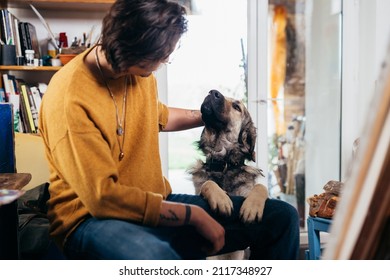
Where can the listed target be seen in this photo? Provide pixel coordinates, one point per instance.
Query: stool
(314, 226)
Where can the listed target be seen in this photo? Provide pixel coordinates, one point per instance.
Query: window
(211, 56)
(283, 57)
(304, 98)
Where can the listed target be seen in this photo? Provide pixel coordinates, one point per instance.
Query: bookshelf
(63, 15)
(52, 5)
(4, 68)
(86, 5)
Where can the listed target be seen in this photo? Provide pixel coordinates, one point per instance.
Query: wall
(74, 23)
(323, 94)
(366, 35)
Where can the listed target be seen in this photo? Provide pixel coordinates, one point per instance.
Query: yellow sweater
(78, 124)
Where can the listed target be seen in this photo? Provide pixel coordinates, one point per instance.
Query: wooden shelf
(85, 5)
(65, 1)
(28, 68)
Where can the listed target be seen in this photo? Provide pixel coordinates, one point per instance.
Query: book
(11, 97)
(7, 88)
(15, 101)
(2, 95)
(3, 29)
(26, 102)
(23, 38)
(16, 36)
(9, 21)
(32, 39)
(9, 31)
(7, 155)
(28, 107)
(36, 96)
(22, 111)
(24, 122)
(33, 107)
(6, 29)
(14, 87)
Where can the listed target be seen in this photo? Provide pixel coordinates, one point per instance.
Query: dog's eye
(236, 107)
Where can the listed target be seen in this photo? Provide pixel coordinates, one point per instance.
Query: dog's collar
(221, 165)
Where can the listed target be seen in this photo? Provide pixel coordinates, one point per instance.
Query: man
(100, 118)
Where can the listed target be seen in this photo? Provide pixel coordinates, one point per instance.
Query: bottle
(51, 48)
(29, 57)
(63, 40)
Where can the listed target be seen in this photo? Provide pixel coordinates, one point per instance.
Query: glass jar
(29, 57)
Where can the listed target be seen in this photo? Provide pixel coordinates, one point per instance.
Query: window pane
(303, 98)
(211, 56)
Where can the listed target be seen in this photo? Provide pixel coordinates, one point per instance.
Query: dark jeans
(275, 237)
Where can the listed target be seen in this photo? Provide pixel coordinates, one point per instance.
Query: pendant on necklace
(119, 131)
(121, 155)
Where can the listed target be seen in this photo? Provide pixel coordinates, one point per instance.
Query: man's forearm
(179, 214)
(175, 214)
(181, 119)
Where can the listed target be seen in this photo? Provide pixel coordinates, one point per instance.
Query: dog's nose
(215, 93)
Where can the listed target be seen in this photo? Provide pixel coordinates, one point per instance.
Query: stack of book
(21, 34)
(26, 100)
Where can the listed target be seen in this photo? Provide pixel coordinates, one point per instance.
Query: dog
(228, 142)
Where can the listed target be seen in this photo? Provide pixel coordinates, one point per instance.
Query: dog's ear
(204, 142)
(248, 139)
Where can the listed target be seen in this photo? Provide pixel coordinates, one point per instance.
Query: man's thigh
(116, 239)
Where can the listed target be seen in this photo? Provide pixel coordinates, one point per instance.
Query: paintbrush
(46, 25)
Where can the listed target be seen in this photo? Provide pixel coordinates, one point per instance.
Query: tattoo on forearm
(173, 217)
(188, 215)
(194, 114)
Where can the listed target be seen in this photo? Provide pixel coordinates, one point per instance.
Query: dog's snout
(215, 93)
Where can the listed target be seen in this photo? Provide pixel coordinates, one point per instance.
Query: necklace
(120, 130)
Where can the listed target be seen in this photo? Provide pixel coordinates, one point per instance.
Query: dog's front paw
(253, 207)
(217, 198)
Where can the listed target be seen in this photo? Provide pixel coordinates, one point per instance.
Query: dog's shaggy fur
(228, 141)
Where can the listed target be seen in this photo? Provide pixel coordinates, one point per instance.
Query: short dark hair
(135, 31)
